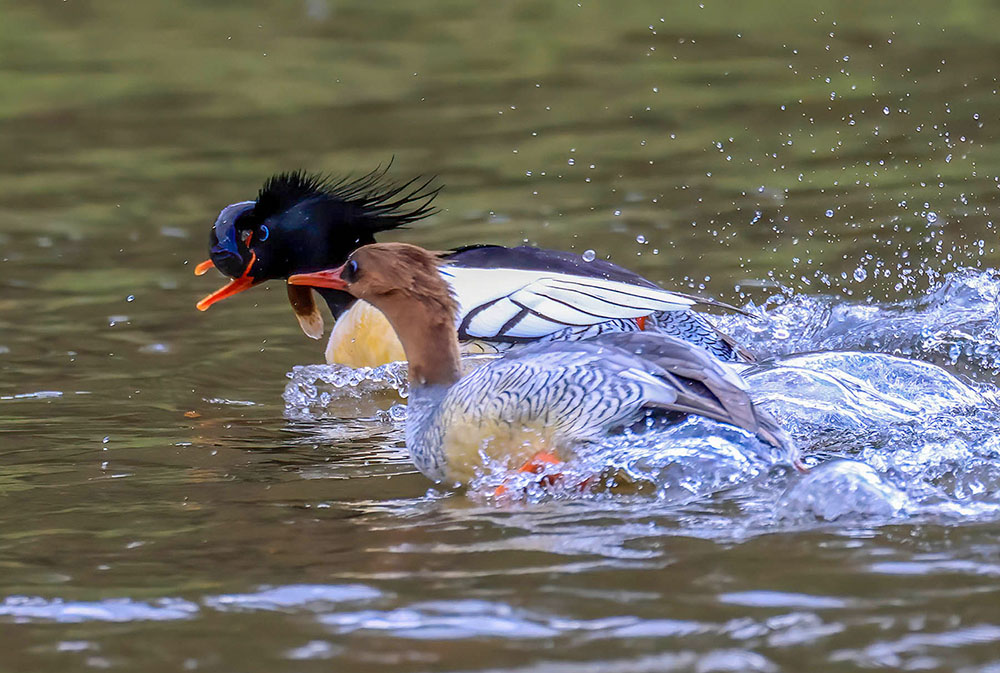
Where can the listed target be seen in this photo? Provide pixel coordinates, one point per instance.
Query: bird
(509, 296)
(537, 403)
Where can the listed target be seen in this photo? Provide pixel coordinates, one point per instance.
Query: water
(833, 169)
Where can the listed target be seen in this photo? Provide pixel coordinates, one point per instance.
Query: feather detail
(375, 202)
(557, 395)
(519, 305)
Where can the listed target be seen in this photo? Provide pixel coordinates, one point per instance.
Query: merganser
(544, 398)
(301, 223)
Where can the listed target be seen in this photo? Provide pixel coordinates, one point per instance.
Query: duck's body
(507, 296)
(544, 397)
(554, 397)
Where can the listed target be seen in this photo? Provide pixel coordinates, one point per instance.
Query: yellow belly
(362, 337)
(467, 445)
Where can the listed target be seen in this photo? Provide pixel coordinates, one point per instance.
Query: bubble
(860, 274)
(829, 213)
(885, 110)
(589, 255)
(932, 217)
(640, 239)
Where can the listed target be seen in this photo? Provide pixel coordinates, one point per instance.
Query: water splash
(314, 389)
(956, 323)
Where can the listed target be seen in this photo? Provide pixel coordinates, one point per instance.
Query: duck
(508, 296)
(537, 403)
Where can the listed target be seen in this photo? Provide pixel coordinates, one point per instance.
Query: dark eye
(262, 233)
(350, 272)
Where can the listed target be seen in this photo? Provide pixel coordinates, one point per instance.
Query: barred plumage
(563, 394)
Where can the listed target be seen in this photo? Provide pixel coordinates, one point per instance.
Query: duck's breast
(363, 337)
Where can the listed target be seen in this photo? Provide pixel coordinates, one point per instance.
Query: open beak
(329, 278)
(235, 286)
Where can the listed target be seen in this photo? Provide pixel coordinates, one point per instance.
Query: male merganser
(544, 398)
(301, 223)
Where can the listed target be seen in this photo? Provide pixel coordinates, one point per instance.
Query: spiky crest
(379, 203)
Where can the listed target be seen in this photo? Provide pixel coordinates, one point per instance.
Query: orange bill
(329, 278)
(234, 286)
(203, 268)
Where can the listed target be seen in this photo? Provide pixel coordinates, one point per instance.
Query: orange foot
(538, 462)
(536, 465)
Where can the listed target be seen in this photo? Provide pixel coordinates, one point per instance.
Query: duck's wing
(718, 391)
(522, 304)
(674, 375)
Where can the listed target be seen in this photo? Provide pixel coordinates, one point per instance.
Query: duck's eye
(350, 272)
(262, 233)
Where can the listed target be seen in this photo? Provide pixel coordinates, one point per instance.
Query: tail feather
(702, 385)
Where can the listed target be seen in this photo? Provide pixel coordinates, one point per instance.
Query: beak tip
(202, 268)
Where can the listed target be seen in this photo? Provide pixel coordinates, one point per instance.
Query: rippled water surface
(185, 491)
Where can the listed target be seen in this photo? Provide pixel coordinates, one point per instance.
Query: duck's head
(398, 278)
(404, 282)
(301, 223)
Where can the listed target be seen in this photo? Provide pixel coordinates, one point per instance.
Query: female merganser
(301, 223)
(545, 398)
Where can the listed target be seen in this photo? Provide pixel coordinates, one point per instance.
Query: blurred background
(738, 149)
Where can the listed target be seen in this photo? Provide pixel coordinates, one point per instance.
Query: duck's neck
(429, 339)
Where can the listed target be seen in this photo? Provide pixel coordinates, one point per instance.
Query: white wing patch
(522, 304)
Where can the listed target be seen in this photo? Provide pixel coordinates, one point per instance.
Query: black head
(301, 223)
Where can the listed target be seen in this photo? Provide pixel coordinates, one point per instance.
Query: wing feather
(492, 301)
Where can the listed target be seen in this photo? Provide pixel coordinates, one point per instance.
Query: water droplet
(932, 217)
(829, 213)
(589, 255)
(885, 110)
(860, 274)
(640, 239)
(130, 298)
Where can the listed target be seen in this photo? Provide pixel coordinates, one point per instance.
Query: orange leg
(536, 464)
